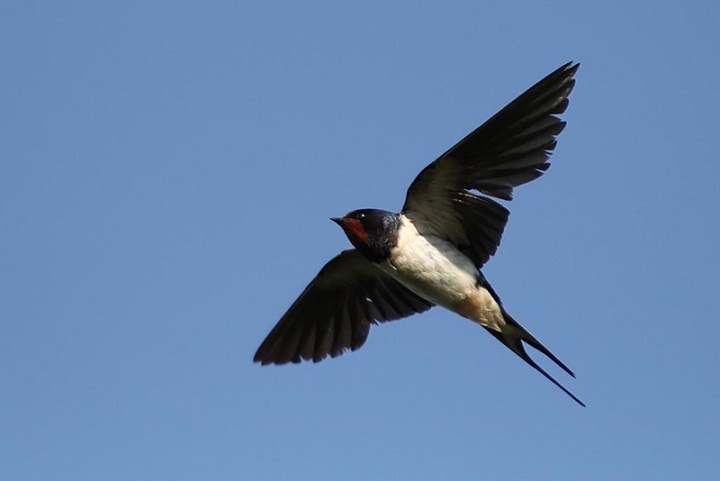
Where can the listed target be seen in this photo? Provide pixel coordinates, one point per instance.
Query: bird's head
(373, 232)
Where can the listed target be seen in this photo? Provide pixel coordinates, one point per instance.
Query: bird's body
(431, 252)
(436, 270)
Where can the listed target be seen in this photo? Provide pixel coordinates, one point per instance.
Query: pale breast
(431, 267)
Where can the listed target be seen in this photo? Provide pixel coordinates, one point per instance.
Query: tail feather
(512, 336)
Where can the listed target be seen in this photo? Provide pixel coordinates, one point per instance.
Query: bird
(432, 251)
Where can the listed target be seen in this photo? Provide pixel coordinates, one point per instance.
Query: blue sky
(168, 171)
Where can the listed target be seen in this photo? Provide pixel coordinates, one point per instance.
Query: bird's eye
(361, 215)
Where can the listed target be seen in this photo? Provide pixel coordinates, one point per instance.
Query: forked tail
(512, 336)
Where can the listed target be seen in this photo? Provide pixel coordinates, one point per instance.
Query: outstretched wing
(335, 311)
(508, 150)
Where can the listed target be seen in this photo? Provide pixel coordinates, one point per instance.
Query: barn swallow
(431, 252)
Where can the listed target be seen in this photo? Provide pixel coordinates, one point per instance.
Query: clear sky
(168, 171)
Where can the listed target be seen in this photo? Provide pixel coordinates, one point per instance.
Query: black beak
(337, 220)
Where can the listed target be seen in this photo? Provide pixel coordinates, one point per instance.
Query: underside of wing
(335, 311)
(510, 149)
(513, 146)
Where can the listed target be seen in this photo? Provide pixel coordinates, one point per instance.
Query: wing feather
(335, 311)
(510, 149)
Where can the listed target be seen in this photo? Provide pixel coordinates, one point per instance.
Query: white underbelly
(436, 270)
(431, 267)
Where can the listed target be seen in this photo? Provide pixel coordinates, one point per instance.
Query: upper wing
(508, 150)
(335, 311)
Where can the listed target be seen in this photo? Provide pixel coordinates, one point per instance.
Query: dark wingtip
(263, 361)
(256, 357)
(571, 67)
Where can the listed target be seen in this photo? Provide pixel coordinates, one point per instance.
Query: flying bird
(431, 252)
